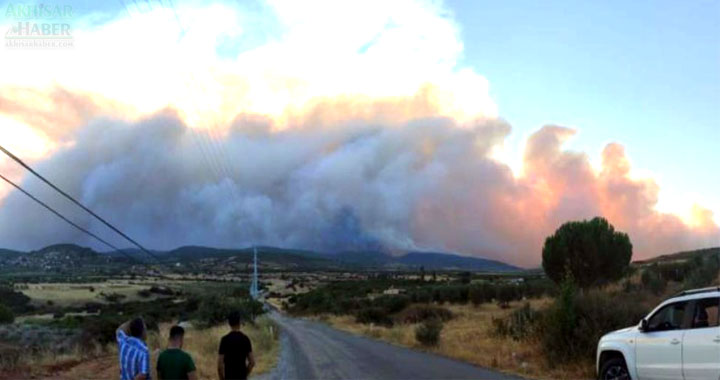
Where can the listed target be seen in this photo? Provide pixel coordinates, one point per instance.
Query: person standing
(132, 351)
(235, 359)
(174, 363)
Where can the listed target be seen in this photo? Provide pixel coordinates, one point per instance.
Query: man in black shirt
(235, 360)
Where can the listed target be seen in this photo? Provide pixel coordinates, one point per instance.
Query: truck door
(658, 349)
(701, 342)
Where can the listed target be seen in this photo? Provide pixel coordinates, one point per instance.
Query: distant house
(392, 291)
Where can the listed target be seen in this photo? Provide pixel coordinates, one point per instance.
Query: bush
(93, 307)
(571, 327)
(480, 294)
(428, 333)
(506, 293)
(653, 280)
(165, 291)
(215, 310)
(673, 271)
(421, 295)
(374, 315)
(99, 329)
(538, 287)
(704, 273)
(16, 301)
(520, 324)
(457, 293)
(113, 297)
(392, 304)
(6, 315)
(422, 313)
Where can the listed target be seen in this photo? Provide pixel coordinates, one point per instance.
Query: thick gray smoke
(428, 184)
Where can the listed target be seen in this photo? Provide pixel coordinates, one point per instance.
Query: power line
(70, 222)
(66, 195)
(224, 169)
(212, 151)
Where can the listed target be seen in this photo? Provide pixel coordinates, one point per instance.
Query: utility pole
(254, 292)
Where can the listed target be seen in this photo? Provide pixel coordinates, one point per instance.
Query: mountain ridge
(363, 260)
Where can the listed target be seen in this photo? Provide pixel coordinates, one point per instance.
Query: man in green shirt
(174, 363)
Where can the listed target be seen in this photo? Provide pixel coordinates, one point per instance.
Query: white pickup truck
(678, 340)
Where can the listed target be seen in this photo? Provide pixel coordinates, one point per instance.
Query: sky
(473, 127)
(644, 73)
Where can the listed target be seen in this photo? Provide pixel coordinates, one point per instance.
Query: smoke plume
(424, 184)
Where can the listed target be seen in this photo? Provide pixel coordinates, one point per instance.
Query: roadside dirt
(104, 367)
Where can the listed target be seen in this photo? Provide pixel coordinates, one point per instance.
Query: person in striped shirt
(133, 352)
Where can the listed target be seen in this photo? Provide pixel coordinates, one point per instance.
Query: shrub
(6, 315)
(538, 287)
(628, 286)
(16, 301)
(506, 293)
(571, 327)
(112, 297)
(559, 324)
(520, 324)
(704, 273)
(169, 292)
(428, 333)
(653, 280)
(673, 271)
(374, 315)
(215, 310)
(392, 304)
(93, 307)
(421, 295)
(451, 293)
(99, 329)
(422, 313)
(482, 293)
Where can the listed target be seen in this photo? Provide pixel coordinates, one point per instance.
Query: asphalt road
(312, 350)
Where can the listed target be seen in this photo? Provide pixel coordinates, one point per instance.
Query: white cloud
(311, 50)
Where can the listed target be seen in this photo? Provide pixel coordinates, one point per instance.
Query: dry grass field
(469, 336)
(202, 344)
(72, 294)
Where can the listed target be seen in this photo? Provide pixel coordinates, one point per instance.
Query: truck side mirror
(643, 325)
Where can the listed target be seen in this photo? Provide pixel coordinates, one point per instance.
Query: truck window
(705, 313)
(670, 317)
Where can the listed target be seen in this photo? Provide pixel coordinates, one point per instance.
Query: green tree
(590, 250)
(6, 315)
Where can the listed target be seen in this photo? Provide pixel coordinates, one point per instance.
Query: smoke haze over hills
(427, 184)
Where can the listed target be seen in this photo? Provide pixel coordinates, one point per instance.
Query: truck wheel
(614, 369)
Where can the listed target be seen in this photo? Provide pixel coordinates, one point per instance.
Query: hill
(681, 256)
(432, 260)
(197, 258)
(58, 258)
(415, 260)
(7, 253)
